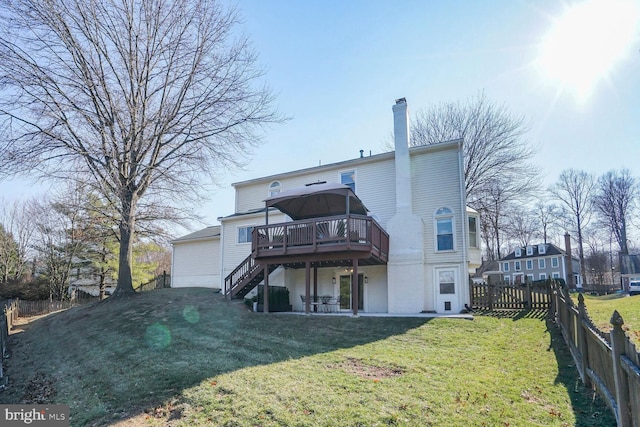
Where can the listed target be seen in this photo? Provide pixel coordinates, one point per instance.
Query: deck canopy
(317, 200)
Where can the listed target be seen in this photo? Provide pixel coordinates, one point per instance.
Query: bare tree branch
(139, 100)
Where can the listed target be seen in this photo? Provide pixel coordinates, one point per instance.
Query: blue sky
(338, 66)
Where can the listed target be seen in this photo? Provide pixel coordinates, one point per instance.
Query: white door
(447, 290)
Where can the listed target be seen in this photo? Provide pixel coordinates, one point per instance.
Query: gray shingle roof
(205, 233)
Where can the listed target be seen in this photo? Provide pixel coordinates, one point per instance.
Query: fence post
(527, 296)
(490, 293)
(582, 342)
(621, 382)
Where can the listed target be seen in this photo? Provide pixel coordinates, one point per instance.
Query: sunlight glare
(587, 41)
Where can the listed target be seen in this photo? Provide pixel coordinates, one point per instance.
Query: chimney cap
(401, 101)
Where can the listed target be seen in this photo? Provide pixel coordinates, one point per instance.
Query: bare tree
(140, 100)
(615, 198)
(18, 225)
(494, 145)
(574, 190)
(59, 235)
(548, 215)
(522, 225)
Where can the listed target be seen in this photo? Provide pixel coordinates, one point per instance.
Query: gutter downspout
(465, 226)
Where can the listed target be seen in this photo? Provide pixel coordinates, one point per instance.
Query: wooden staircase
(245, 277)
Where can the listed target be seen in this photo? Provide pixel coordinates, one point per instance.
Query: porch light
(366, 279)
(333, 280)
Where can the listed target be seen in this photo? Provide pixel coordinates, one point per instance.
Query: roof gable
(210, 232)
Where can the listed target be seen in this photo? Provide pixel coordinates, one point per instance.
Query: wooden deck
(321, 239)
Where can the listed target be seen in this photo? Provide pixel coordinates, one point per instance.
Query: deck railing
(335, 233)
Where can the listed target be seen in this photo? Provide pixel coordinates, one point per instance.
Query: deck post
(307, 287)
(315, 287)
(265, 296)
(354, 288)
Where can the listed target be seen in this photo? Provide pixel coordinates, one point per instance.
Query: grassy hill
(601, 308)
(185, 357)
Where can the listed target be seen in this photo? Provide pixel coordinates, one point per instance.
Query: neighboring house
(538, 262)
(629, 269)
(195, 259)
(488, 270)
(85, 276)
(387, 233)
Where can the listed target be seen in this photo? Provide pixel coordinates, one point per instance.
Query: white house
(195, 259)
(386, 233)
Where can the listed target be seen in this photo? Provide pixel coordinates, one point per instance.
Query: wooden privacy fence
(7, 320)
(38, 308)
(609, 362)
(505, 296)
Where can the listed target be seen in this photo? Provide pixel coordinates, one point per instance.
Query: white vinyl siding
(375, 186)
(196, 264)
(439, 166)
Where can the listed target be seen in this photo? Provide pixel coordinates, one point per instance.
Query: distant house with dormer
(539, 262)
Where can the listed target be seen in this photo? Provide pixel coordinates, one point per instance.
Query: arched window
(444, 230)
(274, 188)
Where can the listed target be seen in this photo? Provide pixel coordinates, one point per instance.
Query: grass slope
(601, 308)
(185, 357)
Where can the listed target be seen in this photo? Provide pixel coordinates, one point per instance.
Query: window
(473, 232)
(554, 262)
(507, 280)
(505, 266)
(274, 188)
(542, 249)
(556, 275)
(541, 263)
(518, 252)
(529, 250)
(529, 264)
(444, 229)
(517, 266)
(349, 179)
(529, 277)
(244, 234)
(543, 276)
(446, 279)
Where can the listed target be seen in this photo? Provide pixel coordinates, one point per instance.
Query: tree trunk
(127, 226)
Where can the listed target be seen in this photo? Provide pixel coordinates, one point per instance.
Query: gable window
(554, 262)
(505, 266)
(541, 264)
(517, 266)
(473, 232)
(542, 249)
(348, 178)
(529, 250)
(518, 252)
(529, 264)
(444, 229)
(244, 234)
(274, 188)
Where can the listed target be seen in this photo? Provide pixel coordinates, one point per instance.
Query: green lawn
(600, 309)
(184, 357)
